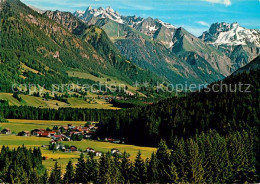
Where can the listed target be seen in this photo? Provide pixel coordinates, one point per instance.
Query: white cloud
(225, 2)
(203, 23)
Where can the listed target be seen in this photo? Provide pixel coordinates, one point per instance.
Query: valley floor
(14, 141)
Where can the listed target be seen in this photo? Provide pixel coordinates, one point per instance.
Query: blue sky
(193, 15)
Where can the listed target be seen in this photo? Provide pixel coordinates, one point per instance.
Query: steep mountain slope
(253, 65)
(102, 44)
(144, 42)
(240, 44)
(186, 45)
(35, 49)
(154, 28)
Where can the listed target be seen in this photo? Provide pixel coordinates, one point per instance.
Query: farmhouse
(46, 134)
(115, 151)
(73, 149)
(36, 131)
(90, 150)
(116, 141)
(6, 131)
(98, 154)
(24, 133)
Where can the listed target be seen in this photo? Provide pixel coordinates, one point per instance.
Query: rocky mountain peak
(109, 9)
(89, 8)
(231, 35)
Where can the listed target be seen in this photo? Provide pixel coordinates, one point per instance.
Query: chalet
(115, 151)
(90, 150)
(116, 141)
(36, 131)
(46, 134)
(87, 136)
(24, 133)
(70, 126)
(77, 129)
(76, 133)
(85, 130)
(73, 149)
(65, 128)
(6, 131)
(98, 154)
(58, 137)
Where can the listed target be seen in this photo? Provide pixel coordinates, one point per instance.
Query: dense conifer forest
(211, 136)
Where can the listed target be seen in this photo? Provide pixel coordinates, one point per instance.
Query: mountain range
(217, 53)
(44, 46)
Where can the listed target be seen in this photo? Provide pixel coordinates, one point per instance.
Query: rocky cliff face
(241, 45)
(72, 23)
(231, 35)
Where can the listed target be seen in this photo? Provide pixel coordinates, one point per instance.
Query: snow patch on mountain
(169, 26)
(99, 12)
(115, 16)
(231, 35)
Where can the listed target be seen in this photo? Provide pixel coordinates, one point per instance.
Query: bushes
(2, 119)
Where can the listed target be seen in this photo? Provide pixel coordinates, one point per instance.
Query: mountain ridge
(240, 44)
(140, 32)
(32, 40)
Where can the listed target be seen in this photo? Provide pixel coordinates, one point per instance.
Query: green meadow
(14, 141)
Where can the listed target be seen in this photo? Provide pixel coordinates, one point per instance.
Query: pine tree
(166, 168)
(69, 175)
(179, 158)
(81, 174)
(152, 170)
(116, 176)
(126, 168)
(195, 162)
(34, 177)
(55, 176)
(139, 170)
(92, 166)
(105, 170)
(44, 178)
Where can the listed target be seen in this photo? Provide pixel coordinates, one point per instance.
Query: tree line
(206, 158)
(22, 165)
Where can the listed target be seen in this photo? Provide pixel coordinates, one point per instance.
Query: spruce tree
(152, 170)
(44, 178)
(126, 168)
(80, 174)
(55, 176)
(166, 168)
(69, 175)
(105, 170)
(139, 170)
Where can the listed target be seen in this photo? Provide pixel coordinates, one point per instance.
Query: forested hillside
(177, 117)
(35, 49)
(212, 136)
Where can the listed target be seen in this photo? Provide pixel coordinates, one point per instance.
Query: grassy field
(101, 80)
(99, 104)
(54, 104)
(14, 141)
(17, 125)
